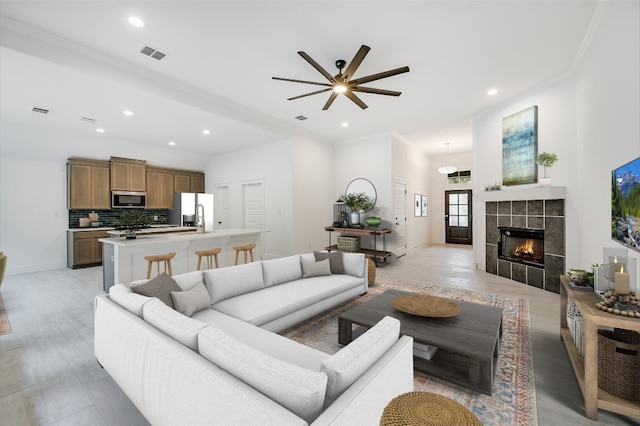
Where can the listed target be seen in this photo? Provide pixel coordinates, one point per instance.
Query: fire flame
(525, 248)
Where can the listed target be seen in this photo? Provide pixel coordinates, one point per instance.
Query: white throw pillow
(283, 270)
(315, 269)
(298, 389)
(224, 283)
(193, 300)
(353, 264)
(132, 302)
(179, 327)
(187, 280)
(350, 362)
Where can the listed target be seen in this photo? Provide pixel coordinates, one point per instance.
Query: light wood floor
(48, 375)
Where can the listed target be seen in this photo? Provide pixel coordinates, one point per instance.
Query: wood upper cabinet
(197, 182)
(128, 174)
(160, 189)
(182, 183)
(188, 181)
(88, 184)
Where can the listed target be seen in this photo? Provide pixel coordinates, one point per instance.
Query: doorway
(222, 206)
(401, 218)
(458, 217)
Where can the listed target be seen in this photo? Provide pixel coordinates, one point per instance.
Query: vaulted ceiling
(82, 59)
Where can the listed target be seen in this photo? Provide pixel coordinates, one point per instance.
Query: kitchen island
(123, 260)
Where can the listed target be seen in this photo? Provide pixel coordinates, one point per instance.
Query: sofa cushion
(315, 268)
(266, 305)
(278, 271)
(160, 287)
(354, 264)
(335, 260)
(299, 390)
(132, 302)
(193, 300)
(179, 327)
(349, 363)
(224, 283)
(188, 280)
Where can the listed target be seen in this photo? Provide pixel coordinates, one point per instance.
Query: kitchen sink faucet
(200, 217)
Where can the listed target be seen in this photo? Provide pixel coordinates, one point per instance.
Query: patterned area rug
(5, 327)
(514, 398)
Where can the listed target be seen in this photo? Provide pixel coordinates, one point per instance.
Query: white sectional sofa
(225, 364)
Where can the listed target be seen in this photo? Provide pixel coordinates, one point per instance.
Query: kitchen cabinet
(88, 184)
(182, 182)
(197, 182)
(84, 249)
(128, 174)
(160, 189)
(188, 181)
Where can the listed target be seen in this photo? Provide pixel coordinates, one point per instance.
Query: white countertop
(154, 229)
(179, 237)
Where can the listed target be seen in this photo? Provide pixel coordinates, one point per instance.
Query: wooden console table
(373, 254)
(586, 368)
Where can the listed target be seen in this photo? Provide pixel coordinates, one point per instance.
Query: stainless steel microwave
(128, 200)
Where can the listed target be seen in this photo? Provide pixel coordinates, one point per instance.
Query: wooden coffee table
(468, 343)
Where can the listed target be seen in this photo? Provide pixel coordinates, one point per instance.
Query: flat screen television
(625, 204)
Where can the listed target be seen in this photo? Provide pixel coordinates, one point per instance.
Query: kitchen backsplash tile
(109, 217)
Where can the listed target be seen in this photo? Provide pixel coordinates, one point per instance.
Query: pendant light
(447, 169)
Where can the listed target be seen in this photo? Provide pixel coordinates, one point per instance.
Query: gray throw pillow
(335, 260)
(160, 287)
(311, 268)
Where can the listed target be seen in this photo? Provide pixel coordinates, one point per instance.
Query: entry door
(253, 205)
(401, 218)
(223, 217)
(457, 207)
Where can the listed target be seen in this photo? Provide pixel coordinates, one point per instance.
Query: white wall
(590, 119)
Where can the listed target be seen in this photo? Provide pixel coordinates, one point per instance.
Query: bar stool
(166, 258)
(244, 249)
(210, 255)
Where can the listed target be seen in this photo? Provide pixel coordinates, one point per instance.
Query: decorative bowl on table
(373, 221)
(426, 306)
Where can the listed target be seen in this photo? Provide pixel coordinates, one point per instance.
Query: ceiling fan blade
(355, 62)
(309, 94)
(332, 98)
(355, 99)
(301, 81)
(317, 66)
(379, 75)
(376, 91)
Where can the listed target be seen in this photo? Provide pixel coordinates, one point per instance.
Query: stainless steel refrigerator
(190, 208)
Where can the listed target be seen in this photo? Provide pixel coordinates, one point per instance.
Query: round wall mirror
(363, 185)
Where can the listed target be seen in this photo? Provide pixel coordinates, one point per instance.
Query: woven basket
(619, 363)
(372, 272)
(426, 409)
(349, 243)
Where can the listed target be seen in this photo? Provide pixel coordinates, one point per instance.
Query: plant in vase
(132, 221)
(358, 202)
(545, 160)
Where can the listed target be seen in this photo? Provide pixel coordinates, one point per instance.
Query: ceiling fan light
(339, 88)
(445, 170)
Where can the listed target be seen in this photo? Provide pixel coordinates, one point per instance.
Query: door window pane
(453, 210)
(453, 198)
(453, 220)
(463, 199)
(464, 221)
(463, 210)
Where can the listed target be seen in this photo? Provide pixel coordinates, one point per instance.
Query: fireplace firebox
(522, 245)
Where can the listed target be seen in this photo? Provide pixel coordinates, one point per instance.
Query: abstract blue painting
(520, 147)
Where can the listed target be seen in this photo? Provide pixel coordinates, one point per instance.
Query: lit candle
(622, 282)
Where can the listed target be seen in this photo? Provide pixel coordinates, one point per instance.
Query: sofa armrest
(364, 401)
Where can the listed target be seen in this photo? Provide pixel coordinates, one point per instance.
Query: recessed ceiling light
(136, 22)
(345, 124)
(492, 92)
(100, 130)
(172, 143)
(206, 132)
(127, 112)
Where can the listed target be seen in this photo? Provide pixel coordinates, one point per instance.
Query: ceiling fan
(343, 82)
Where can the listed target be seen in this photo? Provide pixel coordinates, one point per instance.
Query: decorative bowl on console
(373, 221)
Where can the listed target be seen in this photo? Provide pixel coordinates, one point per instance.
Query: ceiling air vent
(301, 117)
(87, 119)
(40, 110)
(150, 51)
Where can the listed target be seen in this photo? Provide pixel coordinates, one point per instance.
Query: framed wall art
(417, 205)
(520, 147)
(425, 211)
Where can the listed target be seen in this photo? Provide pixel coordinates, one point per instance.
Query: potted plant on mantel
(358, 202)
(545, 160)
(132, 221)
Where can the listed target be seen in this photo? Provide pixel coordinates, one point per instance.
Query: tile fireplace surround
(536, 208)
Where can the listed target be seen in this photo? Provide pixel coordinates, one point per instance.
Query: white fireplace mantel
(522, 194)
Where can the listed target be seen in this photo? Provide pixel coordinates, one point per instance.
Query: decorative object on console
(625, 205)
(340, 216)
(358, 202)
(627, 305)
(520, 147)
(545, 160)
(132, 221)
(373, 221)
(619, 363)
